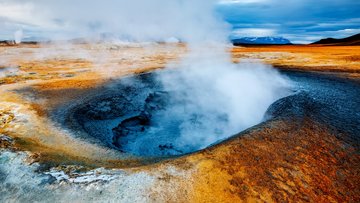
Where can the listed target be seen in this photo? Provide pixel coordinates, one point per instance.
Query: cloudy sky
(301, 21)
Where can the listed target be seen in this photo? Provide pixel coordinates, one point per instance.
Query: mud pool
(137, 115)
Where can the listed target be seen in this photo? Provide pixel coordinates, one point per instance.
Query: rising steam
(136, 20)
(221, 98)
(18, 35)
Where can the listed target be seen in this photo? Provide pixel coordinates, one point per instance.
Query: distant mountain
(352, 40)
(260, 40)
(12, 42)
(27, 40)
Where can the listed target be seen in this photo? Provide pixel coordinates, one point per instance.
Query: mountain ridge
(351, 40)
(260, 41)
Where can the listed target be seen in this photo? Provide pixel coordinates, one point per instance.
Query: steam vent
(179, 101)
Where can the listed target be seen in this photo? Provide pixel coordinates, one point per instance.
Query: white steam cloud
(210, 99)
(221, 98)
(138, 20)
(18, 35)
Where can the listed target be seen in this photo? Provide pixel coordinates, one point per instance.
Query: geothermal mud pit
(138, 116)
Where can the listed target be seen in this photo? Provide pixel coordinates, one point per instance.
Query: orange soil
(279, 163)
(305, 57)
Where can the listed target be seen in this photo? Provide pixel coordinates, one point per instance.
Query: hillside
(352, 40)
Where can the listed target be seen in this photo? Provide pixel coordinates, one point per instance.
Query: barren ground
(298, 159)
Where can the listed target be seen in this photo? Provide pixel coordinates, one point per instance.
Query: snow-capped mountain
(260, 40)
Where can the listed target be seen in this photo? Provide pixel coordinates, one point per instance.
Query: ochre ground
(270, 165)
(279, 163)
(305, 57)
